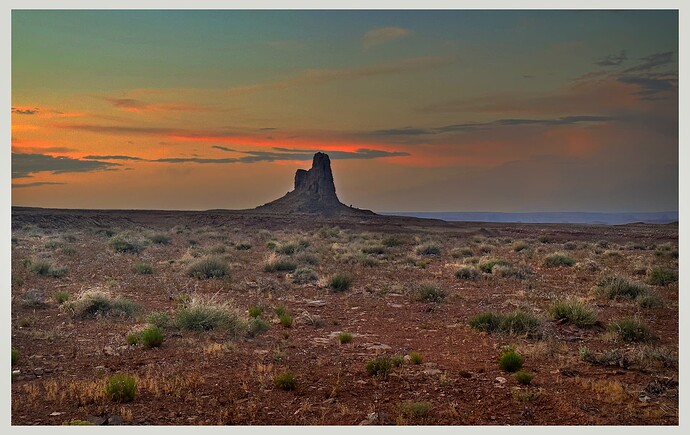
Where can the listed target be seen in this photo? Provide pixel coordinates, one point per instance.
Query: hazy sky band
(422, 110)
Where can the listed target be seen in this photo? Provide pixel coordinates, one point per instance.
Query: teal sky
(465, 110)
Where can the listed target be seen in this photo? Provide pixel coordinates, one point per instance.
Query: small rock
(432, 372)
(56, 413)
(115, 420)
(316, 303)
(501, 380)
(38, 372)
(377, 346)
(98, 421)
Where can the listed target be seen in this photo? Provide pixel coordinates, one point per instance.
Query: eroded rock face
(314, 193)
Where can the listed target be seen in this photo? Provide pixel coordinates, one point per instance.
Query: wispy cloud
(218, 147)
(19, 111)
(34, 184)
(612, 59)
(23, 165)
(652, 61)
(111, 158)
(120, 129)
(651, 86)
(40, 150)
(321, 76)
(134, 105)
(472, 126)
(383, 35)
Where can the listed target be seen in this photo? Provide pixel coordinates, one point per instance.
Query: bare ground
(216, 377)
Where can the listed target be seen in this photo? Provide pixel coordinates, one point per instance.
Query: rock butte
(314, 194)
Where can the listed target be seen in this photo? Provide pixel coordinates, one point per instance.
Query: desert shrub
(280, 265)
(511, 361)
(488, 321)
(416, 409)
(45, 268)
(520, 245)
(280, 310)
(33, 298)
(645, 357)
(649, 300)
(523, 378)
(431, 249)
(68, 250)
(203, 314)
(307, 258)
(618, 287)
(516, 322)
(415, 357)
(502, 271)
(462, 252)
(152, 336)
(286, 381)
(243, 246)
(61, 297)
(520, 322)
(340, 282)
(286, 320)
(344, 337)
(573, 312)
(375, 250)
(287, 248)
(126, 243)
(391, 242)
(466, 272)
(662, 276)
(121, 388)
(328, 233)
(208, 267)
(486, 265)
(257, 326)
(142, 268)
(160, 238)
(380, 366)
(271, 245)
(631, 330)
(159, 318)
(218, 249)
(52, 244)
(255, 311)
(570, 246)
(304, 275)
(397, 360)
(133, 338)
(558, 259)
(485, 248)
(666, 252)
(15, 357)
(545, 239)
(429, 292)
(95, 303)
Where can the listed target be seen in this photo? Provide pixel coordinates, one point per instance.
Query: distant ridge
(549, 217)
(314, 194)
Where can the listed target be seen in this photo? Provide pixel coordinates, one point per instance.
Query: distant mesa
(314, 194)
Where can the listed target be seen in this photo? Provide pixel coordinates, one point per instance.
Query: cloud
(612, 59)
(134, 105)
(120, 129)
(383, 35)
(652, 61)
(23, 165)
(111, 158)
(34, 184)
(320, 76)
(223, 148)
(649, 86)
(285, 154)
(19, 111)
(465, 127)
(39, 150)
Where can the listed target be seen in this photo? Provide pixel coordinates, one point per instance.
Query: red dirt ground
(211, 378)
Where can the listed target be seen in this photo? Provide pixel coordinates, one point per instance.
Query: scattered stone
(115, 420)
(316, 303)
(38, 372)
(56, 413)
(98, 421)
(501, 380)
(432, 372)
(377, 346)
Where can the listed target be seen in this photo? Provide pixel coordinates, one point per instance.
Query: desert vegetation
(245, 322)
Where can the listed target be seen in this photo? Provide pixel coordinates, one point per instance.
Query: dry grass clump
(94, 303)
(204, 313)
(208, 267)
(573, 312)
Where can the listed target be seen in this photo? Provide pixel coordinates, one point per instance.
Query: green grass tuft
(558, 259)
(380, 366)
(573, 312)
(631, 330)
(511, 361)
(142, 269)
(121, 388)
(662, 276)
(286, 381)
(340, 282)
(524, 378)
(208, 267)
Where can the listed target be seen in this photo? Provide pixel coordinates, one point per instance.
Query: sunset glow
(418, 110)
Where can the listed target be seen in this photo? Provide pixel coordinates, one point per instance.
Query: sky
(511, 111)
